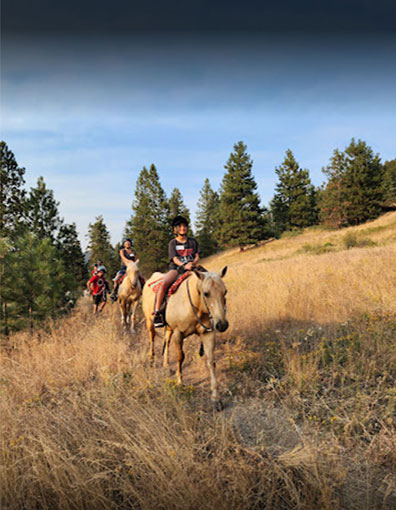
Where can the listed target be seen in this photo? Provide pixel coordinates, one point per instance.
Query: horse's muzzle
(221, 326)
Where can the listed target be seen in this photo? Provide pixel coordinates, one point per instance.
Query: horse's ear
(223, 271)
(198, 273)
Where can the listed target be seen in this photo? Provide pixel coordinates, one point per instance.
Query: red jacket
(99, 284)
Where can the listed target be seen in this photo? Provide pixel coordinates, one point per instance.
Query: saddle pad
(121, 279)
(156, 284)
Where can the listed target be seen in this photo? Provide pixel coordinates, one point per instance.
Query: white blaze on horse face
(133, 272)
(214, 290)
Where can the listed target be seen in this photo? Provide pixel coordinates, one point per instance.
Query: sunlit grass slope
(307, 372)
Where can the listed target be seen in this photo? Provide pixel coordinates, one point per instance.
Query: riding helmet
(178, 220)
(101, 268)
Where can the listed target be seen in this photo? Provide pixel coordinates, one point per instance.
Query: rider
(127, 253)
(98, 286)
(183, 255)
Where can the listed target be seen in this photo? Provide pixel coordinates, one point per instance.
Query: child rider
(183, 255)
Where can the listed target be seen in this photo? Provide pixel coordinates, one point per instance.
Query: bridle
(134, 284)
(208, 330)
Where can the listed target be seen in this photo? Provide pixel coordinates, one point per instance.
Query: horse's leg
(151, 332)
(180, 355)
(133, 316)
(123, 312)
(168, 336)
(209, 340)
(121, 303)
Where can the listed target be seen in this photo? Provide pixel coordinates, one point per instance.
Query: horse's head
(213, 291)
(133, 272)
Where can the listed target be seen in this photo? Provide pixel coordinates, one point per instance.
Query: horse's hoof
(218, 406)
(133, 331)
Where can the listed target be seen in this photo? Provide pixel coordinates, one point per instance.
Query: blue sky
(87, 113)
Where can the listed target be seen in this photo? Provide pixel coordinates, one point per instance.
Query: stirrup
(159, 321)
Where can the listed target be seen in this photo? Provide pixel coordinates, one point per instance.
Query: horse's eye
(206, 294)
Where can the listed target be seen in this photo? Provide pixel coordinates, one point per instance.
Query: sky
(91, 93)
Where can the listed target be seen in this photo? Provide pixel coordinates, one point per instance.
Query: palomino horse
(129, 294)
(198, 307)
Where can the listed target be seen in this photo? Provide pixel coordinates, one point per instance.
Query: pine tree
(390, 182)
(37, 284)
(71, 254)
(149, 225)
(12, 193)
(208, 224)
(42, 212)
(5, 285)
(241, 217)
(333, 202)
(177, 206)
(99, 246)
(355, 190)
(294, 202)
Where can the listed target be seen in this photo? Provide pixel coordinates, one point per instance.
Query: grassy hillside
(307, 372)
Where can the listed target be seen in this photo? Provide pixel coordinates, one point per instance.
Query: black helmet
(127, 239)
(178, 220)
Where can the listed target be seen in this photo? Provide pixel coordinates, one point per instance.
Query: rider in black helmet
(183, 255)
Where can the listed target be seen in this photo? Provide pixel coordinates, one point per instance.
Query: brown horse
(129, 294)
(198, 307)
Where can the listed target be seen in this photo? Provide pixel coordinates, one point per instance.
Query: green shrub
(317, 249)
(352, 240)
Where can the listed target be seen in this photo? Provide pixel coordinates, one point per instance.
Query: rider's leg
(116, 285)
(169, 278)
(96, 300)
(102, 302)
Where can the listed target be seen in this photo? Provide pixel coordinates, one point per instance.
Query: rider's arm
(177, 261)
(90, 283)
(122, 256)
(194, 262)
(173, 253)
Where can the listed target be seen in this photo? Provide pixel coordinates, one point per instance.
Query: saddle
(122, 277)
(156, 284)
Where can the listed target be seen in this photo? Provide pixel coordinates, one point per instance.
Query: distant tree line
(42, 265)
(358, 188)
(42, 261)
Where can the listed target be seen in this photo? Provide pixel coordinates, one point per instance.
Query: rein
(208, 330)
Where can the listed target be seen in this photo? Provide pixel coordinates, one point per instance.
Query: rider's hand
(189, 266)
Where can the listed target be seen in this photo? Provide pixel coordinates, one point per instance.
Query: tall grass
(307, 371)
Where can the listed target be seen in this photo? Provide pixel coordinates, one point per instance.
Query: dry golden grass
(307, 371)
